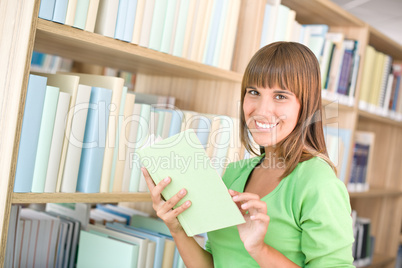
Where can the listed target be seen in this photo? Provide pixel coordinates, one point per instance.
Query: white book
(57, 142)
(147, 23)
(73, 156)
(141, 242)
(70, 15)
(91, 16)
(106, 18)
(115, 84)
(226, 57)
(139, 17)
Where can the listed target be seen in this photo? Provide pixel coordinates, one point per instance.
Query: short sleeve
(326, 223)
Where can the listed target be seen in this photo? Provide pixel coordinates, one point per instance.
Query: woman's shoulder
(315, 171)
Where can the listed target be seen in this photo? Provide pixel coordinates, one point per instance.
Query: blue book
(130, 19)
(203, 130)
(265, 26)
(175, 124)
(213, 32)
(46, 9)
(120, 214)
(60, 11)
(30, 133)
(121, 19)
(90, 170)
(168, 28)
(158, 239)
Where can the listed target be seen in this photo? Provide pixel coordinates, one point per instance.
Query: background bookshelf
(201, 88)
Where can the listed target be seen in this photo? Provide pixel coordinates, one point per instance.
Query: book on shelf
(362, 161)
(203, 215)
(363, 246)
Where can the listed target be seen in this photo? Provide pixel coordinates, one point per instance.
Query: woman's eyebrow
(251, 87)
(284, 92)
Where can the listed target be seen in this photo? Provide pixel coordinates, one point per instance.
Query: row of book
(80, 133)
(363, 151)
(200, 30)
(76, 235)
(363, 246)
(381, 85)
(337, 55)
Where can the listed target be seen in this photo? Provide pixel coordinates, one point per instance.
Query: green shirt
(310, 218)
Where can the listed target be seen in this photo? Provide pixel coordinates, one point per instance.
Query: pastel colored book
(30, 133)
(97, 250)
(158, 22)
(70, 15)
(121, 19)
(130, 20)
(223, 143)
(182, 19)
(181, 49)
(107, 17)
(169, 27)
(90, 171)
(281, 23)
(60, 11)
(46, 9)
(69, 85)
(217, 45)
(139, 17)
(143, 133)
(147, 23)
(126, 107)
(75, 140)
(81, 13)
(158, 240)
(131, 131)
(91, 16)
(229, 39)
(45, 139)
(141, 242)
(203, 215)
(115, 84)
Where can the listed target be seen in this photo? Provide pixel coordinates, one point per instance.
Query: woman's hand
(164, 209)
(252, 233)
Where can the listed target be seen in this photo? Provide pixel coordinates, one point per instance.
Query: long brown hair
(294, 67)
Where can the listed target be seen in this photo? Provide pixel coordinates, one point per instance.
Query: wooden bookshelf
(87, 47)
(197, 87)
(373, 193)
(27, 198)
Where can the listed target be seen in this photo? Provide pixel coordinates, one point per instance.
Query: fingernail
(235, 198)
(252, 217)
(167, 179)
(187, 204)
(183, 191)
(244, 206)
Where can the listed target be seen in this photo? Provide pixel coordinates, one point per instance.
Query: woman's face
(271, 114)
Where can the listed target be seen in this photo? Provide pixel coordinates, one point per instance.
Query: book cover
(81, 13)
(91, 16)
(70, 15)
(60, 11)
(147, 23)
(107, 17)
(121, 19)
(203, 215)
(30, 133)
(158, 22)
(45, 139)
(46, 9)
(90, 170)
(130, 20)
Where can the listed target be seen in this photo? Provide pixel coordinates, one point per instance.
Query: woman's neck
(272, 160)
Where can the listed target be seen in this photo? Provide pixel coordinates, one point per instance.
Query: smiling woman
(296, 211)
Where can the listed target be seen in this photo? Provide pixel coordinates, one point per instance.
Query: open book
(183, 159)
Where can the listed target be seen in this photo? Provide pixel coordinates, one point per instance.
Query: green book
(45, 139)
(98, 250)
(182, 157)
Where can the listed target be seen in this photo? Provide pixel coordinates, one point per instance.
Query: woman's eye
(253, 92)
(280, 97)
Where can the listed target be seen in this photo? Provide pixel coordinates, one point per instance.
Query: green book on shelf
(183, 159)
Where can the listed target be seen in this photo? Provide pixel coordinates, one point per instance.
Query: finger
(148, 179)
(157, 190)
(170, 203)
(233, 192)
(177, 211)
(260, 217)
(244, 197)
(254, 206)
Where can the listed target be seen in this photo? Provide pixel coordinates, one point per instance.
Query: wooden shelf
(380, 261)
(322, 11)
(27, 198)
(379, 119)
(383, 43)
(79, 45)
(376, 193)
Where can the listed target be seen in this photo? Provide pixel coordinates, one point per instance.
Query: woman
(297, 211)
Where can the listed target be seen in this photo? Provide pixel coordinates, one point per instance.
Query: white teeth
(265, 125)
